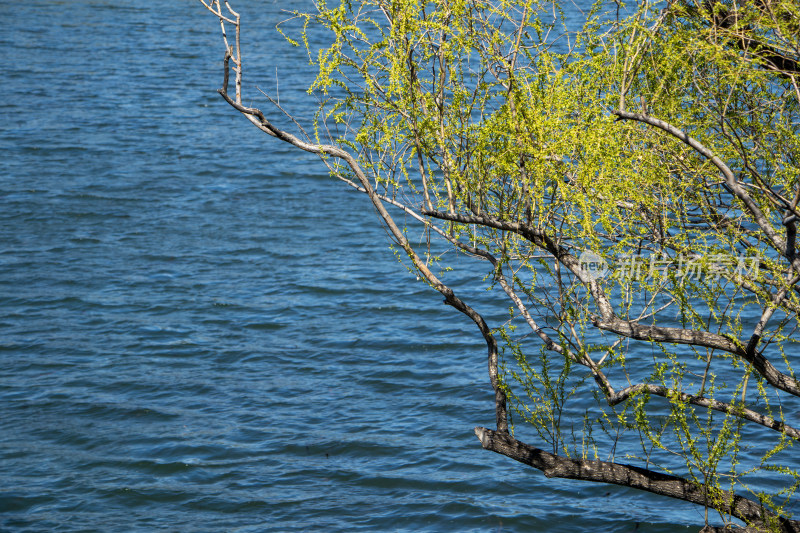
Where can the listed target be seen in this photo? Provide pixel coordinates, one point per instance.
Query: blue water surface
(201, 331)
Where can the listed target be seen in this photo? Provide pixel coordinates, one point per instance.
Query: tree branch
(730, 179)
(631, 476)
(259, 120)
(738, 411)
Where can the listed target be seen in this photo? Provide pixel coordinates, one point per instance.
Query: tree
(631, 188)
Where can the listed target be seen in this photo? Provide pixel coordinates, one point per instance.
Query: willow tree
(630, 186)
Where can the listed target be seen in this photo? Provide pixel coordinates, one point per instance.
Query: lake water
(201, 331)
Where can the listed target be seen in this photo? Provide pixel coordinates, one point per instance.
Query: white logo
(592, 266)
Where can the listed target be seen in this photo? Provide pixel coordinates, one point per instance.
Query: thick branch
(630, 476)
(634, 330)
(706, 339)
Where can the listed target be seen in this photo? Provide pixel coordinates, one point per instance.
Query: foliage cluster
(630, 181)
